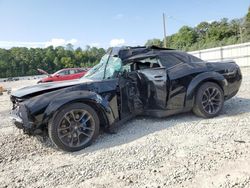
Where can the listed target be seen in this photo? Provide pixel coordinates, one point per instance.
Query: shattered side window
(150, 60)
(140, 64)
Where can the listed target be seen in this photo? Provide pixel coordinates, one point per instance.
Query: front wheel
(209, 100)
(74, 127)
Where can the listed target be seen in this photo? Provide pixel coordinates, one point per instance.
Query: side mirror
(57, 75)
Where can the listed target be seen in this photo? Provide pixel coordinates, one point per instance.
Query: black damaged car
(128, 81)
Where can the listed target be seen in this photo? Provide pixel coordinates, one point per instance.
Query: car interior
(148, 63)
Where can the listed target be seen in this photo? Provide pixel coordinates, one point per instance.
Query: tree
(247, 25)
(214, 34)
(185, 38)
(201, 30)
(154, 42)
(70, 47)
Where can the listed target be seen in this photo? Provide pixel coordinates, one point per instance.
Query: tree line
(21, 61)
(208, 35)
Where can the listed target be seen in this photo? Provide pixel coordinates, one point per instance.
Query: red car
(63, 74)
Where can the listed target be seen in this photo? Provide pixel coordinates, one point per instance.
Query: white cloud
(9, 44)
(60, 42)
(53, 42)
(73, 41)
(210, 21)
(116, 42)
(118, 16)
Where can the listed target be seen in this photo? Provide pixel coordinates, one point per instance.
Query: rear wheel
(74, 127)
(209, 100)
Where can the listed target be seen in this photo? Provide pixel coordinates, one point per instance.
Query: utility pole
(241, 39)
(164, 28)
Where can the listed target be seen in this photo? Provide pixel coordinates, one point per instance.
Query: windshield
(113, 66)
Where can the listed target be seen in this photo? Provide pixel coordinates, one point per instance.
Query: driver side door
(143, 88)
(130, 95)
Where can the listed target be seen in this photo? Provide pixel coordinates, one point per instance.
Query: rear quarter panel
(231, 72)
(180, 77)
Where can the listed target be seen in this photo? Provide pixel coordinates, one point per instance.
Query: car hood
(46, 87)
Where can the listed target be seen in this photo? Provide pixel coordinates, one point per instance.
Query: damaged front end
(20, 116)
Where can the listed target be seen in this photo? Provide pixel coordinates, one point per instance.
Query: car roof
(128, 53)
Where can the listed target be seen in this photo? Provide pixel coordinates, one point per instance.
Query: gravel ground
(178, 151)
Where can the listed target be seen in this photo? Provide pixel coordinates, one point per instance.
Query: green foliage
(24, 61)
(154, 42)
(184, 39)
(246, 26)
(208, 35)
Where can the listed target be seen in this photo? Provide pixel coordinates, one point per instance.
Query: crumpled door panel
(154, 82)
(131, 102)
(143, 90)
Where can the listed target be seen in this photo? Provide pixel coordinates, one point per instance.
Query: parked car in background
(63, 74)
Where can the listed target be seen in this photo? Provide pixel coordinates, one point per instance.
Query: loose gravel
(178, 151)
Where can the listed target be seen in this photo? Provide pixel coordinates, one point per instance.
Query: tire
(74, 127)
(209, 100)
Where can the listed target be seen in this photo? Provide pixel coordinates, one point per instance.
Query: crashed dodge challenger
(128, 81)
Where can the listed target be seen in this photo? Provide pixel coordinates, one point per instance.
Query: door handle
(159, 76)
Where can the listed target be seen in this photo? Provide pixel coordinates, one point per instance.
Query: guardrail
(239, 53)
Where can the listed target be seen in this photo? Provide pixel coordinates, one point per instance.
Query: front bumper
(19, 117)
(16, 118)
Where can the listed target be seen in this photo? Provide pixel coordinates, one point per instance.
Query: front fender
(203, 77)
(78, 96)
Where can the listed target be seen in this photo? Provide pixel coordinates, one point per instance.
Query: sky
(104, 23)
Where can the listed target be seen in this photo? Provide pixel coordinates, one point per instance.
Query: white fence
(239, 52)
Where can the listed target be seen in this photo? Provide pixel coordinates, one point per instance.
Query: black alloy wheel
(74, 127)
(209, 100)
